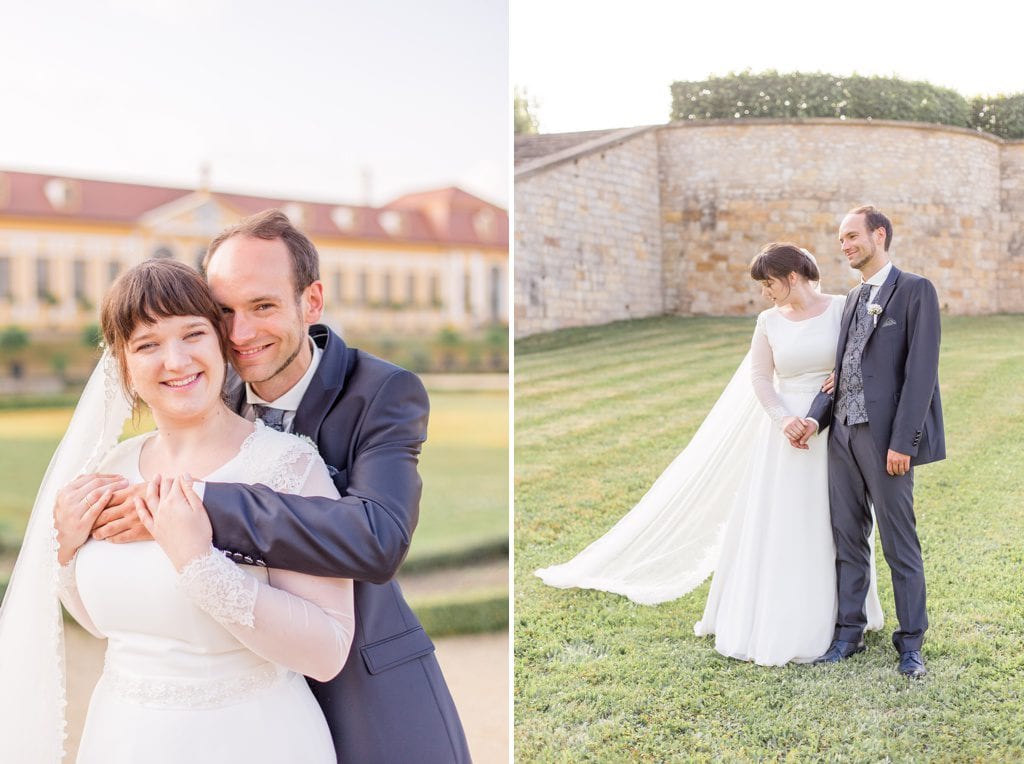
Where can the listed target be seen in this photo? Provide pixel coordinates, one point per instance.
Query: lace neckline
(243, 449)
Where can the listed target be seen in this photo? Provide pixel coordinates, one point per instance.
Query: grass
(464, 468)
(600, 412)
(465, 475)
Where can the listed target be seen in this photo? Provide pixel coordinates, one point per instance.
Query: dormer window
(391, 221)
(63, 195)
(483, 223)
(296, 213)
(344, 218)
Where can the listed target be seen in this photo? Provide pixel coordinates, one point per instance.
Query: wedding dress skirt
(177, 687)
(739, 500)
(773, 596)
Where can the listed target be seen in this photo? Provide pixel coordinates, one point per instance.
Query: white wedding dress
(195, 668)
(741, 501)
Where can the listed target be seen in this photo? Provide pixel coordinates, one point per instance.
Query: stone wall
(724, 189)
(1011, 265)
(587, 238)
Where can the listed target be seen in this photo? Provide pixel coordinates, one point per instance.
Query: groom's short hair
(270, 225)
(874, 219)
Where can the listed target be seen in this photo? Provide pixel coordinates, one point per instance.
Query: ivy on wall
(773, 95)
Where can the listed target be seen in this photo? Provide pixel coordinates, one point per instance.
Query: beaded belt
(180, 692)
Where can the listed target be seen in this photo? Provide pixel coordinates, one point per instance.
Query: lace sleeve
(762, 374)
(305, 623)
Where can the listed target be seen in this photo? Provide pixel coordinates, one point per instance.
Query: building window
(364, 288)
(410, 289)
(113, 270)
(43, 286)
(435, 290)
(386, 298)
(338, 287)
(467, 293)
(5, 278)
(78, 279)
(495, 294)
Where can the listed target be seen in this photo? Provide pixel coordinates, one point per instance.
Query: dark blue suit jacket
(368, 417)
(900, 365)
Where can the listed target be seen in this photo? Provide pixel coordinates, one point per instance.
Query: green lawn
(464, 468)
(600, 412)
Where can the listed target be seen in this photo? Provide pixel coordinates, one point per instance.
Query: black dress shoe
(840, 650)
(912, 665)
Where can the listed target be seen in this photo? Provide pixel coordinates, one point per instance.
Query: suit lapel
(844, 329)
(326, 383)
(234, 391)
(885, 293)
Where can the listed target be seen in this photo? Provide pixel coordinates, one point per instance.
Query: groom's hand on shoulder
(119, 522)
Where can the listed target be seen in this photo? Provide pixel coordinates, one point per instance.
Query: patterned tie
(271, 417)
(850, 405)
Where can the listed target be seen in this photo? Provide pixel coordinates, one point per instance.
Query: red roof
(446, 216)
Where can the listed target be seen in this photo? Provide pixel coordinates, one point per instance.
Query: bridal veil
(32, 676)
(669, 542)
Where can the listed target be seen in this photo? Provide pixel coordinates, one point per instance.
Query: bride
(204, 658)
(742, 500)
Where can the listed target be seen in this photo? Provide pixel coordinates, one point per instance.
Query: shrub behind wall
(748, 95)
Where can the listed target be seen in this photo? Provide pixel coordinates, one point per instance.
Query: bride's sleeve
(762, 374)
(305, 623)
(67, 590)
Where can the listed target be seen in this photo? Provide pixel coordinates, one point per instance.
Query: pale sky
(599, 64)
(300, 99)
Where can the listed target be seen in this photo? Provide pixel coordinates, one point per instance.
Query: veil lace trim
(33, 694)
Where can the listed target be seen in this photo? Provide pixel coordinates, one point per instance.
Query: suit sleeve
(365, 534)
(821, 410)
(305, 623)
(921, 370)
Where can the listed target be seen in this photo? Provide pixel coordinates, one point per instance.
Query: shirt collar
(290, 400)
(879, 278)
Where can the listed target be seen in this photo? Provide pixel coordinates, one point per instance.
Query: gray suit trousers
(857, 480)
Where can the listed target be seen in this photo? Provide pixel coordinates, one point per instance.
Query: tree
(13, 339)
(523, 118)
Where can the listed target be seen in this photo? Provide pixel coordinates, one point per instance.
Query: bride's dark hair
(779, 259)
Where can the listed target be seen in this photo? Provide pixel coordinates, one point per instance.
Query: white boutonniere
(874, 310)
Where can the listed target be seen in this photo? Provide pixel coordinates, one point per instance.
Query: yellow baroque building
(419, 263)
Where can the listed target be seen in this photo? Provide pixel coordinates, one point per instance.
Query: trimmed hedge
(773, 95)
(1000, 115)
(485, 551)
(471, 613)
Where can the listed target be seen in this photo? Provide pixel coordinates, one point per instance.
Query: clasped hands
(799, 430)
(105, 507)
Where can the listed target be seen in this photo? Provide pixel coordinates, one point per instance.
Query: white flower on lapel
(874, 310)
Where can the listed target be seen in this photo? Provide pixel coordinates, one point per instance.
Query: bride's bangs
(154, 290)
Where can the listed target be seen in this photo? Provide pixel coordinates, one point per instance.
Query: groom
(368, 418)
(885, 417)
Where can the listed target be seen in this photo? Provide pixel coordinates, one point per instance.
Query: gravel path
(475, 666)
